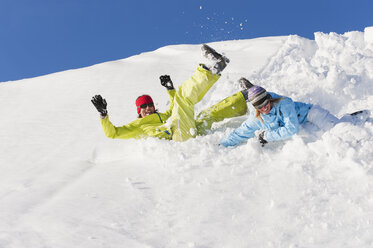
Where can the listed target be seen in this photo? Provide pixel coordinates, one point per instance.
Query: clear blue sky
(39, 37)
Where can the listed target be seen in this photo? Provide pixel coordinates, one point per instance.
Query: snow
(64, 184)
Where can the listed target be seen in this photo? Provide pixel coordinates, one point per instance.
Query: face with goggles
(265, 109)
(145, 106)
(147, 109)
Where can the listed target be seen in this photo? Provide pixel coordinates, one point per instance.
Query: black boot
(245, 84)
(220, 61)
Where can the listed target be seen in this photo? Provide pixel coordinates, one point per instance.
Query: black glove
(100, 104)
(261, 139)
(166, 82)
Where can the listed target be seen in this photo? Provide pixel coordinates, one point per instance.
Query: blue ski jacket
(280, 123)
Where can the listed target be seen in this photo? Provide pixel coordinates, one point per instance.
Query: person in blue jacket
(278, 117)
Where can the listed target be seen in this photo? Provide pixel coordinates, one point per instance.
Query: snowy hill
(64, 184)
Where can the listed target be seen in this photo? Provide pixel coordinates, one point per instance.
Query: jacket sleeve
(128, 131)
(244, 132)
(289, 125)
(171, 93)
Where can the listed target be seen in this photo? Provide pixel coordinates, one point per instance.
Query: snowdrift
(63, 184)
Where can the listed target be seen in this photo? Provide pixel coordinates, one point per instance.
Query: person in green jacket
(178, 122)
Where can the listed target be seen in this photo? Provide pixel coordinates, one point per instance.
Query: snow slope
(63, 184)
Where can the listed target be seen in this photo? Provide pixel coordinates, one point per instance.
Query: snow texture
(64, 184)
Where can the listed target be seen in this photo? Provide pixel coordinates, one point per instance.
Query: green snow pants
(183, 125)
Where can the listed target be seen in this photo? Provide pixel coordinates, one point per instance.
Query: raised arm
(100, 104)
(129, 131)
(125, 132)
(168, 84)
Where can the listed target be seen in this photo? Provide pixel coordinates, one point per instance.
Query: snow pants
(230, 107)
(183, 124)
(324, 120)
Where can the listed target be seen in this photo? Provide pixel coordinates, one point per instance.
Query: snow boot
(356, 118)
(220, 61)
(245, 84)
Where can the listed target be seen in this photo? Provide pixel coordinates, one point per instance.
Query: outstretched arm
(242, 133)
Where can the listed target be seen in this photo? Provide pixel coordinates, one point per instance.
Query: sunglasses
(147, 105)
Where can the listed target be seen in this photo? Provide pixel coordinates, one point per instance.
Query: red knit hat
(144, 99)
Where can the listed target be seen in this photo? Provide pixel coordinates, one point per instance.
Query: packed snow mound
(334, 71)
(368, 36)
(63, 184)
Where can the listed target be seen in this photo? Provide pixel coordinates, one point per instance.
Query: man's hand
(100, 105)
(166, 82)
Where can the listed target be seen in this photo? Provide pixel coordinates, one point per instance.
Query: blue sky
(39, 37)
